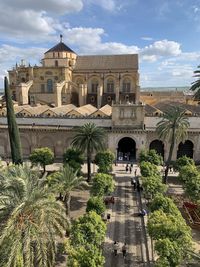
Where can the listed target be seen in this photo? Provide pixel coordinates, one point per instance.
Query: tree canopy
(89, 138)
(30, 219)
(172, 128)
(103, 184)
(42, 156)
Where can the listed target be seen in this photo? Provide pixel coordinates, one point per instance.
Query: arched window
(94, 86)
(110, 86)
(126, 87)
(49, 86)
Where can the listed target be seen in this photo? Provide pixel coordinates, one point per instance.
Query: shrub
(43, 156)
(151, 156)
(96, 204)
(74, 158)
(153, 185)
(103, 184)
(183, 161)
(104, 160)
(88, 229)
(148, 169)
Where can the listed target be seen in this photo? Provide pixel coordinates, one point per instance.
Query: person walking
(115, 247)
(124, 250)
(135, 172)
(126, 167)
(130, 169)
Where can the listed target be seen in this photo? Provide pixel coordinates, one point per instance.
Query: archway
(185, 149)
(126, 150)
(158, 146)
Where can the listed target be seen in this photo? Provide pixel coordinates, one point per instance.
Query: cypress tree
(15, 143)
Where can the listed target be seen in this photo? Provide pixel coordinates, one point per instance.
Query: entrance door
(158, 146)
(126, 149)
(185, 149)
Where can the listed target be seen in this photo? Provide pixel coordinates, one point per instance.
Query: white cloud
(53, 6)
(163, 48)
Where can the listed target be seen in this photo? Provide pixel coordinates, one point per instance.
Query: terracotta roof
(86, 109)
(60, 47)
(63, 109)
(163, 106)
(149, 109)
(107, 110)
(110, 62)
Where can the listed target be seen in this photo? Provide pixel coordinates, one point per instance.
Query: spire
(61, 38)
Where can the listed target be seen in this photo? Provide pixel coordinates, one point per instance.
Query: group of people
(130, 168)
(116, 249)
(136, 184)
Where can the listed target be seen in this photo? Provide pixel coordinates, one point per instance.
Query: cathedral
(66, 78)
(68, 90)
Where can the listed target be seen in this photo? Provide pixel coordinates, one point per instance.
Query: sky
(165, 34)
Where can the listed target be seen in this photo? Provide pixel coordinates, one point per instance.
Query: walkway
(125, 224)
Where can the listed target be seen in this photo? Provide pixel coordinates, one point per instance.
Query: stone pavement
(125, 225)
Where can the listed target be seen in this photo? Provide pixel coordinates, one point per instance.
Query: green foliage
(42, 156)
(153, 185)
(15, 143)
(89, 138)
(161, 225)
(103, 184)
(104, 160)
(148, 169)
(188, 172)
(88, 256)
(88, 229)
(165, 204)
(64, 182)
(192, 187)
(73, 158)
(172, 128)
(170, 251)
(96, 204)
(196, 84)
(30, 219)
(151, 156)
(183, 161)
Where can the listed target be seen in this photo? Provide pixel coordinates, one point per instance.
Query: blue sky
(165, 33)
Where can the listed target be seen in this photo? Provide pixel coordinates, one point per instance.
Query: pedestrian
(142, 212)
(131, 165)
(138, 185)
(135, 172)
(133, 182)
(130, 169)
(126, 167)
(115, 247)
(124, 250)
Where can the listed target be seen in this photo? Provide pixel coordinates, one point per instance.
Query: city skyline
(163, 33)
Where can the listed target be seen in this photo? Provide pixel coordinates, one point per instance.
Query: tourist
(142, 212)
(115, 247)
(126, 167)
(130, 169)
(133, 182)
(135, 172)
(124, 250)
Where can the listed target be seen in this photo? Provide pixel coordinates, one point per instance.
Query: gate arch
(185, 149)
(158, 146)
(126, 150)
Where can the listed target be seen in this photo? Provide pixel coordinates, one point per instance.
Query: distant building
(67, 78)
(68, 90)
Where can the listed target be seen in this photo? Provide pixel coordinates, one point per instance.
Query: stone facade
(105, 90)
(65, 77)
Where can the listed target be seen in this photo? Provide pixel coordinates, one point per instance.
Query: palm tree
(65, 182)
(89, 138)
(30, 219)
(196, 84)
(173, 128)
